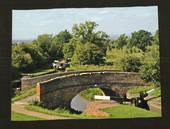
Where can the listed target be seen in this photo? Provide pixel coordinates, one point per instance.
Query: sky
(28, 24)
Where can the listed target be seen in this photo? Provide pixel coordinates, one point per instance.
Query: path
(19, 107)
(94, 108)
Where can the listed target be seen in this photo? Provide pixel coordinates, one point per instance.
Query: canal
(79, 103)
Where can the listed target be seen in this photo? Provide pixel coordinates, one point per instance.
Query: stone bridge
(59, 91)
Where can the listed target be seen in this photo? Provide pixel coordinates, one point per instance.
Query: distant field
(21, 117)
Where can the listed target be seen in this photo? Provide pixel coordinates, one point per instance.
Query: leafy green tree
(140, 39)
(156, 37)
(63, 37)
(21, 60)
(39, 58)
(87, 54)
(150, 69)
(86, 33)
(58, 41)
(44, 41)
(68, 50)
(121, 41)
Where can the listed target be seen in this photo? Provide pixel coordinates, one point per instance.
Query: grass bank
(89, 93)
(136, 90)
(23, 94)
(120, 111)
(57, 112)
(22, 117)
(127, 111)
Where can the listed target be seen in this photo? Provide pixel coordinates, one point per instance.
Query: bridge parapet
(28, 82)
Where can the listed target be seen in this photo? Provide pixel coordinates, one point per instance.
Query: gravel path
(19, 107)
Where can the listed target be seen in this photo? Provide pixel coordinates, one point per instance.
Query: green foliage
(136, 90)
(87, 54)
(130, 63)
(126, 111)
(57, 112)
(85, 32)
(89, 93)
(22, 117)
(121, 41)
(140, 39)
(150, 70)
(23, 94)
(157, 92)
(63, 37)
(20, 59)
(68, 50)
(156, 37)
(125, 59)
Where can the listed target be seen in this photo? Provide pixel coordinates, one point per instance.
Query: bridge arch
(59, 91)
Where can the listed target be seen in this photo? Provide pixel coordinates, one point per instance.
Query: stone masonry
(59, 91)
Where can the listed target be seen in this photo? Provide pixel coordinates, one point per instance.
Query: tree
(150, 69)
(86, 33)
(156, 37)
(87, 54)
(21, 60)
(121, 41)
(44, 41)
(140, 39)
(63, 37)
(68, 50)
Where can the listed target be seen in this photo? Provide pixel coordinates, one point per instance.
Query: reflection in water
(79, 103)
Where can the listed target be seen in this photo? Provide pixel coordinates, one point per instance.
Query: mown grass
(136, 90)
(91, 67)
(57, 112)
(120, 111)
(89, 93)
(157, 92)
(22, 117)
(127, 111)
(24, 94)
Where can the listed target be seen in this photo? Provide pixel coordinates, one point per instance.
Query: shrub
(150, 70)
(130, 63)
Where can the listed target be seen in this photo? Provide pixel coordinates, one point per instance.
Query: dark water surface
(79, 103)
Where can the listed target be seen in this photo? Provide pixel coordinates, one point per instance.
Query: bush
(130, 63)
(150, 70)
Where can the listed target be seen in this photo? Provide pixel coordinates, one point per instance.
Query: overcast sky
(28, 24)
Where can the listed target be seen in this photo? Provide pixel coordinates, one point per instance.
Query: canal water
(79, 103)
